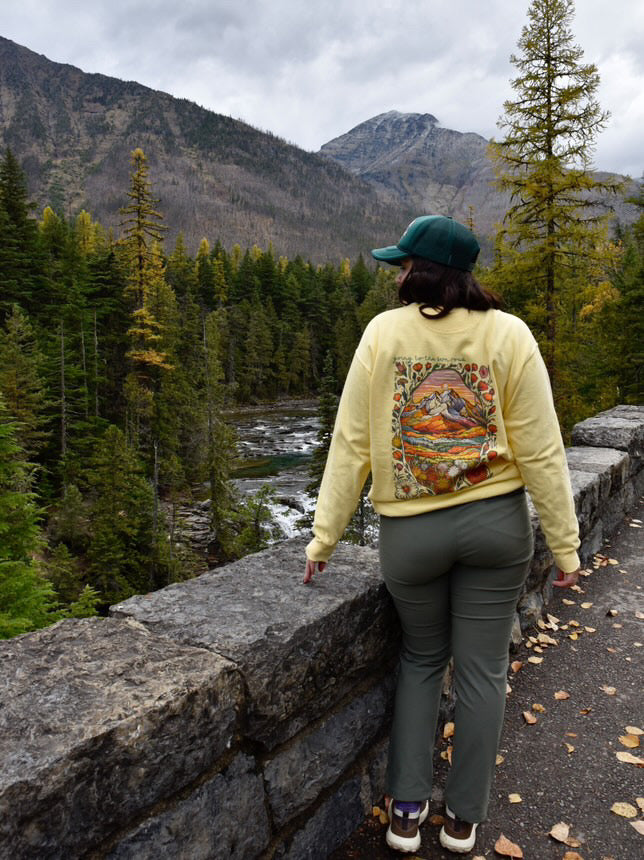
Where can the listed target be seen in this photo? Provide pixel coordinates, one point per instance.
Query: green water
(269, 466)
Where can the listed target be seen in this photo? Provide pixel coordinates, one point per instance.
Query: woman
(447, 403)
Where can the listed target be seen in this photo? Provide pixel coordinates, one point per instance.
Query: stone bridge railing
(240, 714)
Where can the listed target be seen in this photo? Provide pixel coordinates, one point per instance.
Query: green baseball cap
(437, 238)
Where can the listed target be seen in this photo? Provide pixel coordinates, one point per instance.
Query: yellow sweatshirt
(444, 412)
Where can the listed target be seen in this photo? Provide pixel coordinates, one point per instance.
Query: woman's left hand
(565, 580)
(311, 568)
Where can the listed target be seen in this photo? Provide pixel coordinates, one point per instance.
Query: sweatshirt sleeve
(347, 466)
(535, 438)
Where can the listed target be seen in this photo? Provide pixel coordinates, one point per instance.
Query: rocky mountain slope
(412, 160)
(215, 176)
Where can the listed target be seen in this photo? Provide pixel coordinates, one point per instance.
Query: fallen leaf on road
(544, 639)
(638, 825)
(577, 588)
(573, 636)
(508, 689)
(612, 613)
(610, 691)
(585, 605)
(383, 818)
(630, 741)
(590, 629)
(506, 848)
(626, 810)
(618, 626)
(634, 730)
(535, 659)
(538, 649)
(585, 711)
(448, 730)
(612, 650)
(529, 718)
(639, 615)
(635, 525)
(515, 798)
(562, 694)
(516, 665)
(500, 759)
(375, 811)
(538, 708)
(560, 832)
(572, 855)
(629, 758)
(568, 602)
(553, 620)
(569, 747)
(574, 623)
(613, 561)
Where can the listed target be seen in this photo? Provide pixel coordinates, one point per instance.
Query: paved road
(602, 673)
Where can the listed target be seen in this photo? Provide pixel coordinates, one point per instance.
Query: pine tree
(27, 599)
(21, 383)
(327, 409)
(551, 228)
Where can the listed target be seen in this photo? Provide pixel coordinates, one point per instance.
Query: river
(275, 444)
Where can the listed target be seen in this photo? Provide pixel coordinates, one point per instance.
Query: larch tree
(553, 226)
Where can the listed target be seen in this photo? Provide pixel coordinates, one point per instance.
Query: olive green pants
(455, 576)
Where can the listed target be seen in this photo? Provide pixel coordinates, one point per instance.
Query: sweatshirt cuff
(316, 550)
(568, 562)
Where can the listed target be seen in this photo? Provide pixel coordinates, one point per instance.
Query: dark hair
(434, 285)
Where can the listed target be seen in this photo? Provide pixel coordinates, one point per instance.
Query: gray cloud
(310, 71)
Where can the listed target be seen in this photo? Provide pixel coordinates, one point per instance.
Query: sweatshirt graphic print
(443, 425)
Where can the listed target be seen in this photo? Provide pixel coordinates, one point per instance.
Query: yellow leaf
(568, 602)
(499, 760)
(638, 825)
(626, 810)
(586, 605)
(541, 624)
(590, 629)
(572, 855)
(515, 798)
(538, 708)
(634, 730)
(613, 561)
(562, 694)
(629, 758)
(610, 691)
(630, 741)
(612, 612)
(516, 665)
(529, 718)
(585, 711)
(448, 730)
(639, 615)
(570, 748)
(538, 649)
(506, 848)
(573, 636)
(560, 831)
(375, 811)
(577, 588)
(552, 619)
(383, 818)
(535, 659)
(574, 623)
(544, 639)
(617, 626)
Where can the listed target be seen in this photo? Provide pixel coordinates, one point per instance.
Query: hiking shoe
(456, 835)
(404, 820)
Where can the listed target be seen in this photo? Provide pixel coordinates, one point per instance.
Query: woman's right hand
(311, 568)
(566, 580)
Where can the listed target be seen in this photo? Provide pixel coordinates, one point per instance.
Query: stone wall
(241, 714)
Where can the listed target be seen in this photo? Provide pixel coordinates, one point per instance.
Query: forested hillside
(216, 175)
(117, 361)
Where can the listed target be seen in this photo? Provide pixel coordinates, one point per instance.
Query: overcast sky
(309, 70)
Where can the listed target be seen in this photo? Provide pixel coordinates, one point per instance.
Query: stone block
(586, 490)
(223, 819)
(328, 827)
(300, 648)
(621, 428)
(316, 760)
(101, 719)
(611, 466)
(531, 606)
